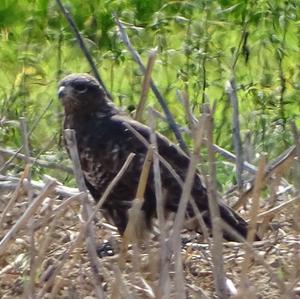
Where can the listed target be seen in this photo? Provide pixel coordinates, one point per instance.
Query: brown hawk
(104, 143)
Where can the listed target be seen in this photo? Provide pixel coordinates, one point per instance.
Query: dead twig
(274, 211)
(231, 91)
(25, 142)
(31, 160)
(180, 215)
(164, 277)
(35, 124)
(253, 220)
(258, 258)
(217, 246)
(83, 230)
(296, 138)
(21, 222)
(136, 226)
(278, 165)
(161, 100)
(15, 195)
(183, 98)
(145, 86)
(10, 183)
(86, 212)
(82, 46)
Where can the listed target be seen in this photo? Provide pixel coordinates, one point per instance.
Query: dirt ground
(41, 260)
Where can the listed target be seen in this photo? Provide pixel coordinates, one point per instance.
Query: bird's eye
(80, 87)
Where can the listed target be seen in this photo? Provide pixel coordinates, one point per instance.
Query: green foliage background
(199, 44)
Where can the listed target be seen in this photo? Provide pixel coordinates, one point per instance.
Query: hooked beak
(61, 92)
(65, 94)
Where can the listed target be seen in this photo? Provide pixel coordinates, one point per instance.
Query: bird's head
(81, 93)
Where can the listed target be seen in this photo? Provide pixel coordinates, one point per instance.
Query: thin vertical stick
(183, 98)
(185, 196)
(296, 136)
(231, 90)
(253, 218)
(82, 46)
(217, 246)
(164, 278)
(296, 215)
(145, 85)
(135, 228)
(24, 218)
(15, 195)
(155, 90)
(86, 212)
(24, 131)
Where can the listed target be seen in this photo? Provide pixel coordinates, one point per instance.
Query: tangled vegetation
(220, 53)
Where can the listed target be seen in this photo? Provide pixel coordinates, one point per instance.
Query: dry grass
(45, 258)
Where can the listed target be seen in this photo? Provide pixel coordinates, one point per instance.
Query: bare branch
(279, 208)
(35, 124)
(82, 46)
(10, 183)
(231, 91)
(15, 194)
(253, 218)
(27, 215)
(155, 90)
(217, 247)
(42, 163)
(164, 278)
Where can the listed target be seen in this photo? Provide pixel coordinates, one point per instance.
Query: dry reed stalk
(258, 258)
(165, 163)
(25, 142)
(184, 99)
(66, 13)
(85, 212)
(170, 120)
(32, 160)
(145, 85)
(120, 288)
(274, 211)
(59, 265)
(217, 247)
(175, 238)
(15, 195)
(136, 227)
(21, 222)
(253, 220)
(29, 286)
(83, 230)
(232, 94)
(278, 165)
(164, 277)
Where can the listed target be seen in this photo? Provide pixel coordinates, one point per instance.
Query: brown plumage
(104, 143)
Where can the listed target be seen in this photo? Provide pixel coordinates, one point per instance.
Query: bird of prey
(104, 142)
